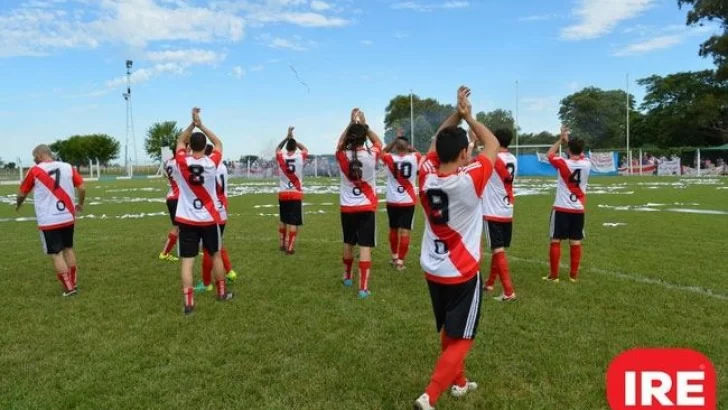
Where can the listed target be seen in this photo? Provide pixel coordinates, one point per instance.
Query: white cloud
(428, 7)
(646, 46)
(238, 72)
(599, 17)
(652, 39)
(307, 19)
(320, 5)
(294, 43)
(145, 74)
(187, 57)
(367, 42)
(255, 68)
(538, 17)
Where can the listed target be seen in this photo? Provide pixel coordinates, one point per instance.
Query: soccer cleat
(231, 276)
(72, 292)
(168, 257)
(363, 294)
(549, 279)
(291, 252)
(488, 288)
(457, 391)
(347, 282)
(423, 403)
(399, 266)
(189, 309)
(572, 280)
(504, 298)
(200, 287)
(227, 296)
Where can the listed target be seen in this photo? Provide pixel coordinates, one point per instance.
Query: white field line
(637, 278)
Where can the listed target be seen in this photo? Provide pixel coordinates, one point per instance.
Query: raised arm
(301, 146)
(482, 133)
(564, 137)
(389, 147)
(451, 121)
(184, 137)
(216, 142)
(371, 135)
(341, 145)
(288, 136)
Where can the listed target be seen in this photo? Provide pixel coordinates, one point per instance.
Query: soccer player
(198, 209)
(498, 214)
(290, 190)
(567, 216)
(172, 198)
(222, 195)
(402, 169)
(451, 190)
(358, 196)
(53, 183)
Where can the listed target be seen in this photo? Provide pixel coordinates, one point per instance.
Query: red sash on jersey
(59, 193)
(200, 192)
(458, 253)
(500, 168)
(404, 182)
(221, 196)
(290, 175)
(565, 173)
(366, 189)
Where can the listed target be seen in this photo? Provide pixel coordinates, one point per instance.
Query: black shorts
(457, 307)
(190, 237)
(359, 228)
(172, 208)
(566, 225)
(291, 212)
(401, 217)
(498, 234)
(56, 240)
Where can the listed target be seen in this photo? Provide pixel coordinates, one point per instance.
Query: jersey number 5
(291, 165)
(196, 175)
(439, 202)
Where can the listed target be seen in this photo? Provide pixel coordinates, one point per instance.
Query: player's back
(499, 197)
(573, 175)
(290, 185)
(222, 188)
(453, 227)
(361, 195)
(169, 167)
(54, 193)
(197, 178)
(401, 177)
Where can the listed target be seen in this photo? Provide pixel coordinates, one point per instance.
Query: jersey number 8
(439, 202)
(196, 175)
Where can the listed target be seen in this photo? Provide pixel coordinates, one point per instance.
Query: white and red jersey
(401, 178)
(572, 182)
(221, 187)
(453, 219)
(359, 196)
(173, 193)
(53, 184)
(290, 187)
(198, 202)
(498, 199)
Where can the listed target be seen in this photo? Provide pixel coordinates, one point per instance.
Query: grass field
(294, 338)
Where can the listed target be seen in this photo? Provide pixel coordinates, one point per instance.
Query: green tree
(10, 165)
(717, 45)
(428, 113)
(80, 149)
(496, 119)
(159, 135)
(684, 109)
(541, 138)
(597, 116)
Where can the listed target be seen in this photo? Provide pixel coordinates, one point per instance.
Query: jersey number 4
(439, 203)
(575, 177)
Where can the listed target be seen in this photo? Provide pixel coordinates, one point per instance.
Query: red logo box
(661, 379)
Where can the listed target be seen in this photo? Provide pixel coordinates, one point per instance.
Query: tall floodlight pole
(629, 153)
(412, 117)
(515, 124)
(129, 121)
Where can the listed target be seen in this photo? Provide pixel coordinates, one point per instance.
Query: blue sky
(62, 61)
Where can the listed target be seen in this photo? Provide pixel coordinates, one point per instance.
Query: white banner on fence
(603, 161)
(669, 167)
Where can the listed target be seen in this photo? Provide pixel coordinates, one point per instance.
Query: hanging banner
(669, 167)
(603, 162)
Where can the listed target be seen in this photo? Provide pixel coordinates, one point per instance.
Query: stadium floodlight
(129, 121)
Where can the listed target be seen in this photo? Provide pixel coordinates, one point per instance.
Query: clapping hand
(465, 109)
(196, 117)
(565, 133)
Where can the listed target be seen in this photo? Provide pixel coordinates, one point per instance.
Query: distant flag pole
(629, 153)
(412, 117)
(515, 123)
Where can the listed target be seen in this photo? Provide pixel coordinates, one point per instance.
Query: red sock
(189, 295)
(493, 272)
(404, 242)
(501, 261)
(347, 268)
(575, 260)
(291, 240)
(171, 241)
(446, 341)
(555, 256)
(206, 268)
(221, 288)
(65, 279)
(448, 368)
(73, 276)
(282, 237)
(226, 260)
(365, 268)
(393, 245)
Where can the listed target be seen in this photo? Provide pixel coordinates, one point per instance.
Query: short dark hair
(208, 149)
(576, 146)
(504, 136)
(198, 141)
(451, 141)
(291, 145)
